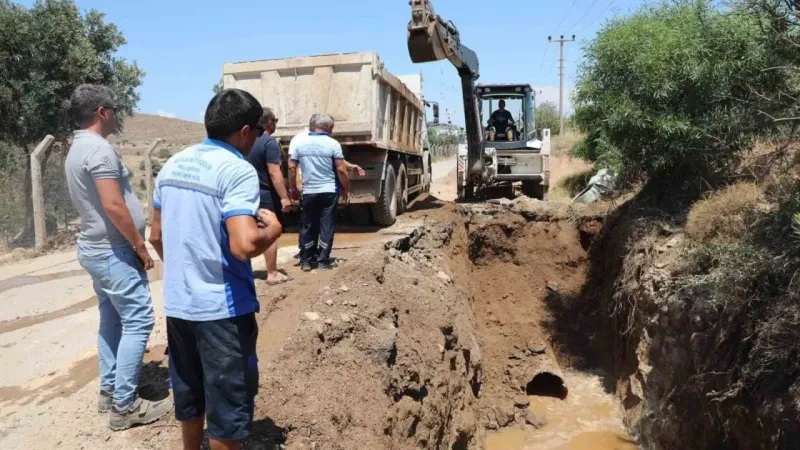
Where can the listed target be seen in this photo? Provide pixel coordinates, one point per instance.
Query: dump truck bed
(371, 106)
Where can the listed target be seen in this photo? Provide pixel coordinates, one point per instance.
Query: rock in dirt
(521, 401)
(444, 277)
(553, 287)
(345, 318)
(344, 288)
(312, 316)
(539, 211)
(536, 348)
(505, 415)
(499, 201)
(329, 302)
(535, 421)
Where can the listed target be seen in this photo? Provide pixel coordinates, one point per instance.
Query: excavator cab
(517, 100)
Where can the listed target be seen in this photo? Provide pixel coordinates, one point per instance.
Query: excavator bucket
(424, 39)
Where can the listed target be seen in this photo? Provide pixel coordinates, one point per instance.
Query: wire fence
(443, 151)
(16, 207)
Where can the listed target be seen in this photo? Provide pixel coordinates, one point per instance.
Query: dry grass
(562, 144)
(726, 216)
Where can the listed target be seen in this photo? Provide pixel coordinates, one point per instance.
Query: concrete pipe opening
(546, 384)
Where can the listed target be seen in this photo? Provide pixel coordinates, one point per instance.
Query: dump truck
(380, 119)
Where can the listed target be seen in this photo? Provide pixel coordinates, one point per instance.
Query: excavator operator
(501, 122)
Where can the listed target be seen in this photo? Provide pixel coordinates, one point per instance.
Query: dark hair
(86, 99)
(267, 116)
(229, 111)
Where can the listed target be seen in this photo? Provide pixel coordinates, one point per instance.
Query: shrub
(726, 216)
(546, 116)
(164, 153)
(673, 89)
(141, 165)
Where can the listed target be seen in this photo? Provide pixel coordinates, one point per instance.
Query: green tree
(217, 88)
(546, 116)
(674, 89)
(47, 51)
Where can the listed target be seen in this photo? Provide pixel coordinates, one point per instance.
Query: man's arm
(250, 230)
(104, 165)
(356, 168)
(117, 211)
(344, 179)
(249, 237)
(275, 174)
(156, 235)
(293, 187)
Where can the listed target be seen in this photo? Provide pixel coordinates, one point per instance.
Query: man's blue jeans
(126, 318)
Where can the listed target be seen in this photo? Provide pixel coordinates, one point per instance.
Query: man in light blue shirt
(206, 227)
(325, 178)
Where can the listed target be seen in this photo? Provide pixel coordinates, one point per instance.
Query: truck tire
(384, 211)
(534, 189)
(402, 189)
(428, 173)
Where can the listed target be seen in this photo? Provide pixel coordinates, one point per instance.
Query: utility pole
(561, 42)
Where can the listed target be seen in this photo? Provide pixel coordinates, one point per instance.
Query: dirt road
(48, 323)
(418, 330)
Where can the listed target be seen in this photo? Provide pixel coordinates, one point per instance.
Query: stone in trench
(444, 277)
(329, 302)
(554, 287)
(505, 415)
(345, 318)
(521, 401)
(535, 421)
(344, 288)
(536, 348)
(312, 316)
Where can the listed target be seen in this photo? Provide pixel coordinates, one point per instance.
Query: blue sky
(182, 44)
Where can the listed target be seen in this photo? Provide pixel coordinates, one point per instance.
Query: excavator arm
(430, 38)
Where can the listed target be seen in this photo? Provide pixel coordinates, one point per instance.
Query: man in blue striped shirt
(325, 179)
(206, 227)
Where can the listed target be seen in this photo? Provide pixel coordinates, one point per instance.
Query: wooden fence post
(148, 173)
(37, 192)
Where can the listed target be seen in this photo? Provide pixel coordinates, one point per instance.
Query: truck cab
(523, 158)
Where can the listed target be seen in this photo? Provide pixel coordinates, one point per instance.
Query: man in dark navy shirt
(501, 122)
(266, 158)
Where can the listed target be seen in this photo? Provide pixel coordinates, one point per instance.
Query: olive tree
(45, 52)
(675, 89)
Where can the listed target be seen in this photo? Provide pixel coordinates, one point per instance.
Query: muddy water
(588, 419)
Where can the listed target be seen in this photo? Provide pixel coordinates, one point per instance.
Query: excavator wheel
(384, 211)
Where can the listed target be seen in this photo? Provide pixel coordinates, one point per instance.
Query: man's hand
(286, 205)
(346, 198)
(358, 170)
(266, 218)
(144, 257)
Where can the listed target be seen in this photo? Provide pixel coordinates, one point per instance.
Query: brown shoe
(141, 412)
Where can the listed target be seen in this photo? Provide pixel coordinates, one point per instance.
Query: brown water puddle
(342, 239)
(587, 419)
(26, 280)
(7, 326)
(66, 382)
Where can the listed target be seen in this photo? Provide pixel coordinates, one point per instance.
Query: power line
(567, 15)
(599, 16)
(584, 15)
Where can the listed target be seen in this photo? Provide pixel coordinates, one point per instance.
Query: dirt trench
(436, 340)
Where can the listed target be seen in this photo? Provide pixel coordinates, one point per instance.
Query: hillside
(141, 129)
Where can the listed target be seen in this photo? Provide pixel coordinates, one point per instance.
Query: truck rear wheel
(534, 189)
(402, 189)
(384, 211)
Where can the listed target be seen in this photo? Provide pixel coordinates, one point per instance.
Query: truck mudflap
(366, 189)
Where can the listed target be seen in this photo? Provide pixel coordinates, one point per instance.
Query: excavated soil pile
(433, 339)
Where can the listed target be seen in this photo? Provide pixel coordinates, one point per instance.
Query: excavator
(519, 157)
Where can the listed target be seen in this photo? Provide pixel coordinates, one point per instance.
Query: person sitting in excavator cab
(501, 123)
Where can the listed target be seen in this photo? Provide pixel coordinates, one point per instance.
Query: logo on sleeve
(105, 161)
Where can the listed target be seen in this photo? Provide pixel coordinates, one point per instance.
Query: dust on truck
(380, 121)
